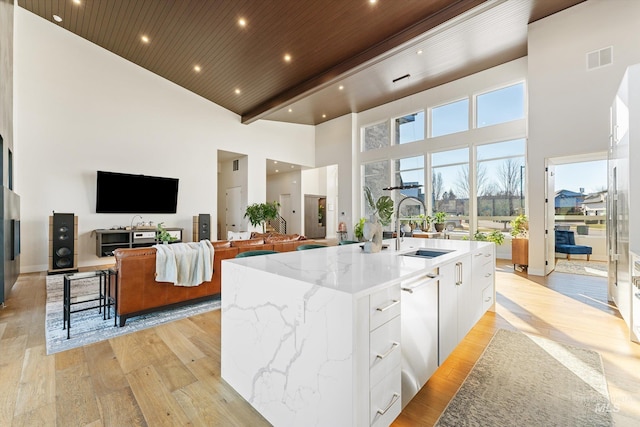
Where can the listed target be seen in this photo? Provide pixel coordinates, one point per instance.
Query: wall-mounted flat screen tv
(126, 193)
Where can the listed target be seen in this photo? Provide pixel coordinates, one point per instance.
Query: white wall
(335, 146)
(79, 108)
(568, 105)
(288, 183)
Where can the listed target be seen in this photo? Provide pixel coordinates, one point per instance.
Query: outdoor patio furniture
(566, 244)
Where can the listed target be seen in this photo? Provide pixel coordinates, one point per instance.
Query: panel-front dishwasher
(419, 321)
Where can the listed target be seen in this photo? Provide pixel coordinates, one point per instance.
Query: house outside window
(375, 136)
(409, 128)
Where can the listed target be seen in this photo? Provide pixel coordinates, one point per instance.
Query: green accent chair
(347, 242)
(255, 253)
(309, 246)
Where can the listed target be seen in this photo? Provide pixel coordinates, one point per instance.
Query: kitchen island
(319, 337)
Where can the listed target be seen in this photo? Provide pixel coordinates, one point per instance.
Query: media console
(108, 240)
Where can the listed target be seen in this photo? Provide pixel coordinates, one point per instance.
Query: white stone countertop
(348, 269)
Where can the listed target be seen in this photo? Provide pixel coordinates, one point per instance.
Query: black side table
(68, 301)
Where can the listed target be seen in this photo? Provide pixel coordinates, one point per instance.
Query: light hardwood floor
(170, 375)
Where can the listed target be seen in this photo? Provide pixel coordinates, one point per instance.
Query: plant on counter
(163, 235)
(520, 227)
(425, 220)
(358, 229)
(438, 220)
(495, 236)
(382, 208)
(260, 213)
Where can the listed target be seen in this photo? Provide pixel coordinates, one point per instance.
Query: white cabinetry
(455, 305)
(384, 356)
(484, 268)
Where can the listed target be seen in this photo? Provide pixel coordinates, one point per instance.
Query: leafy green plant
(439, 217)
(383, 207)
(260, 213)
(163, 235)
(425, 220)
(495, 236)
(358, 229)
(520, 227)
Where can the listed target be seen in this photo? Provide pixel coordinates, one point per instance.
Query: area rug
(524, 380)
(587, 268)
(88, 327)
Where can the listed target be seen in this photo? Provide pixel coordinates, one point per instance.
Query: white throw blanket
(184, 264)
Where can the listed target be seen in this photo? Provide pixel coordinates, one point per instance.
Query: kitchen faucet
(398, 238)
(134, 217)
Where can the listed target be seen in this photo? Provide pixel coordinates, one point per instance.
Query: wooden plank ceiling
(358, 44)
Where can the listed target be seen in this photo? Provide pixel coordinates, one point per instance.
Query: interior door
(233, 215)
(285, 210)
(550, 219)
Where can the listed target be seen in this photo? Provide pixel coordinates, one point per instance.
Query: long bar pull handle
(394, 399)
(393, 347)
(387, 307)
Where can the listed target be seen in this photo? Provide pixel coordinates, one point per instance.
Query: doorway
(577, 200)
(233, 213)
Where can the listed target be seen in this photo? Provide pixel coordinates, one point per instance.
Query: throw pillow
(240, 235)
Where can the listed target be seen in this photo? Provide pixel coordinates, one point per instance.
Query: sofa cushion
(275, 238)
(249, 242)
(256, 235)
(219, 244)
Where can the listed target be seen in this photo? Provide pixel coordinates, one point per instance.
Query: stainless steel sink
(426, 253)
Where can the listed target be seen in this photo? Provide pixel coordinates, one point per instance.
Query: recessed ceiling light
(275, 162)
(144, 39)
(242, 22)
(290, 110)
(57, 18)
(76, 1)
(341, 87)
(324, 116)
(373, 1)
(292, 166)
(419, 52)
(197, 68)
(287, 57)
(277, 171)
(237, 91)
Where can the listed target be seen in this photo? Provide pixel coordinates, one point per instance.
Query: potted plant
(357, 229)
(425, 220)
(438, 220)
(260, 213)
(520, 240)
(162, 235)
(381, 213)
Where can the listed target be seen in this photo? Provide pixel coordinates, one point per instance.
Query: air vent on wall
(235, 165)
(600, 58)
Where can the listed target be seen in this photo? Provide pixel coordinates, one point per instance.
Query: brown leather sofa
(139, 293)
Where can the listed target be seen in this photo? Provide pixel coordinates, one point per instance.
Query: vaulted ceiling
(304, 61)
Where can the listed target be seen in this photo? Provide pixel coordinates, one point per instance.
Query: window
(450, 186)
(450, 118)
(377, 175)
(410, 128)
(500, 106)
(375, 136)
(409, 172)
(500, 183)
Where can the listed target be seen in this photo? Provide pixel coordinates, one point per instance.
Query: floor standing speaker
(201, 227)
(63, 243)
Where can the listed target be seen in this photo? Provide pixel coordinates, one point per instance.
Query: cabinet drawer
(383, 306)
(384, 350)
(385, 402)
(487, 298)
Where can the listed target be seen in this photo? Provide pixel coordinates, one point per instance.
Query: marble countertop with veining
(348, 269)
